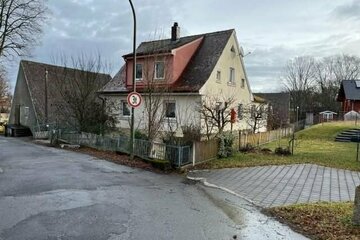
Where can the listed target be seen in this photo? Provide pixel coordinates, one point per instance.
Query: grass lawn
(319, 220)
(314, 145)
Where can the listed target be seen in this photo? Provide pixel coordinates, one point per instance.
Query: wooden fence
(205, 150)
(256, 139)
(208, 150)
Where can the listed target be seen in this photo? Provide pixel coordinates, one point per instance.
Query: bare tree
(4, 85)
(5, 96)
(255, 115)
(79, 105)
(216, 113)
(156, 92)
(20, 25)
(299, 81)
(345, 67)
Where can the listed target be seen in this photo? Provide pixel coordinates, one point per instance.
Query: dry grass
(319, 220)
(314, 145)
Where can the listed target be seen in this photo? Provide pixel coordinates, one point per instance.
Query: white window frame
(124, 102)
(156, 69)
(165, 109)
(232, 75)
(136, 66)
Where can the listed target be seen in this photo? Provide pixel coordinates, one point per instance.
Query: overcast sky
(274, 31)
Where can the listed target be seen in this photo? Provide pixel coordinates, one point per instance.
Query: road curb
(207, 184)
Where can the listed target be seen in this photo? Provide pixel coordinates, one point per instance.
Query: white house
(177, 76)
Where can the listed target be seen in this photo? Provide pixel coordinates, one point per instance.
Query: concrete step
(342, 140)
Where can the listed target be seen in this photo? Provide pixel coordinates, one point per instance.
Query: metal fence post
(193, 154)
(179, 157)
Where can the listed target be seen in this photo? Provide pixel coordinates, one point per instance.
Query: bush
(247, 148)
(282, 151)
(226, 141)
(140, 135)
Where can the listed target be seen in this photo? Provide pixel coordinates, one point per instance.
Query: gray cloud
(348, 11)
(275, 31)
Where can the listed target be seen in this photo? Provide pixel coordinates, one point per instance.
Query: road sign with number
(134, 99)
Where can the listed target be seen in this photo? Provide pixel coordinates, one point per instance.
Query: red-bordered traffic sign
(134, 99)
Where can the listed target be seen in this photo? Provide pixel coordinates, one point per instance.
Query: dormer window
(138, 72)
(159, 70)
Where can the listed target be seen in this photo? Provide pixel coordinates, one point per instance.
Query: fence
(206, 150)
(176, 155)
(257, 139)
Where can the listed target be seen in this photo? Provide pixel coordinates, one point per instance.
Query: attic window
(159, 70)
(242, 83)
(218, 76)
(138, 72)
(357, 82)
(232, 49)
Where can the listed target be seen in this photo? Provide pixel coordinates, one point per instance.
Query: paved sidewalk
(271, 186)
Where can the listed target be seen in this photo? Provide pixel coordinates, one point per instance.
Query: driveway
(48, 193)
(271, 186)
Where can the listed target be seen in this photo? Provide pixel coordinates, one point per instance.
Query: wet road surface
(48, 193)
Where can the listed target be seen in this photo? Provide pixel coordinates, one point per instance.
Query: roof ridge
(58, 66)
(195, 35)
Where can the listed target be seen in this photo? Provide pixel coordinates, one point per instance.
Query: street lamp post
(132, 129)
(297, 117)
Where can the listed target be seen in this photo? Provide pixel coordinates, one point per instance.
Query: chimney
(175, 32)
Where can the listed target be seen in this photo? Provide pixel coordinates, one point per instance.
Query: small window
(159, 70)
(232, 75)
(240, 111)
(125, 108)
(218, 76)
(139, 72)
(170, 109)
(242, 83)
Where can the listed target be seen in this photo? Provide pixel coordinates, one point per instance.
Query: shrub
(226, 141)
(248, 148)
(282, 151)
(140, 135)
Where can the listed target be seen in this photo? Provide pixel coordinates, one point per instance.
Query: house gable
(229, 63)
(22, 102)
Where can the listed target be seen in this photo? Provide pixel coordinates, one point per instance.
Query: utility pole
(46, 97)
(132, 129)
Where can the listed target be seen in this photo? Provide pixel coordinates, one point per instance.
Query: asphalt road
(48, 193)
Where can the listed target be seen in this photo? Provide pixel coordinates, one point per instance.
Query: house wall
(349, 105)
(186, 112)
(216, 90)
(22, 98)
(182, 57)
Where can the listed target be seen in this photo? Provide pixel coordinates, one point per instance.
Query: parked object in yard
(327, 116)
(352, 116)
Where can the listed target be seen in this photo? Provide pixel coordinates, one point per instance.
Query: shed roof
(34, 73)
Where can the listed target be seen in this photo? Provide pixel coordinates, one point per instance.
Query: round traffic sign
(134, 99)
